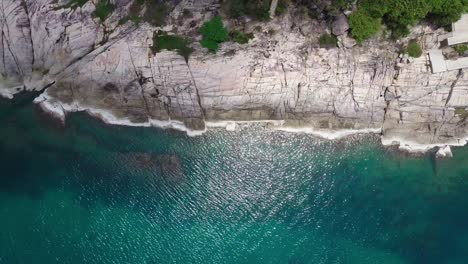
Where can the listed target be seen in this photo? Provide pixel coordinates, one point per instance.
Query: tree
(363, 26)
(447, 12)
(399, 15)
(213, 33)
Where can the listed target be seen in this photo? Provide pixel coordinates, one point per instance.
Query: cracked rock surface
(282, 74)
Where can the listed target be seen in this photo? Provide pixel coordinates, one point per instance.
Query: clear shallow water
(91, 193)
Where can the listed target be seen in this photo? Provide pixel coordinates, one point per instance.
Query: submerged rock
(158, 168)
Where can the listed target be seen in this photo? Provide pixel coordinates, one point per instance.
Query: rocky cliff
(109, 70)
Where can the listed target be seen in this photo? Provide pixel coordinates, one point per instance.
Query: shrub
(135, 9)
(363, 26)
(337, 6)
(213, 33)
(162, 41)
(327, 41)
(156, 12)
(103, 9)
(398, 15)
(241, 37)
(461, 112)
(123, 20)
(76, 3)
(461, 49)
(282, 7)
(186, 13)
(257, 9)
(414, 49)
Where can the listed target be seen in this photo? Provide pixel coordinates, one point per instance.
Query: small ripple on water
(253, 196)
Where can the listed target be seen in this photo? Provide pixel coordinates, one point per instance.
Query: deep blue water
(93, 193)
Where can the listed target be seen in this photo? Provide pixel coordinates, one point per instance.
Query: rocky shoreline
(59, 111)
(282, 76)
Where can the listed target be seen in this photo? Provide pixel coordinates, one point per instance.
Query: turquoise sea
(93, 193)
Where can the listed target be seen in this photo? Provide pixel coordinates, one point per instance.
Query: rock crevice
(282, 74)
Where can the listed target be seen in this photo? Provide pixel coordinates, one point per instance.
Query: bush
(186, 13)
(282, 7)
(327, 41)
(337, 7)
(241, 37)
(398, 15)
(257, 9)
(213, 33)
(162, 41)
(363, 26)
(76, 3)
(156, 12)
(104, 9)
(461, 49)
(414, 49)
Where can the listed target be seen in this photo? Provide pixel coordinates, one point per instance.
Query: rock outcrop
(109, 70)
(340, 25)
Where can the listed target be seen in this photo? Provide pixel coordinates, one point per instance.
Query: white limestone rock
(280, 76)
(444, 152)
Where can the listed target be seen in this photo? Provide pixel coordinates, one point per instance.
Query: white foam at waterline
(444, 152)
(231, 125)
(177, 125)
(330, 134)
(59, 110)
(109, 118)
(54, 109)
(413, 147)
(6, 94)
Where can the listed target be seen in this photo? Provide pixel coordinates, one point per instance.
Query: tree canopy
(214, 33)
(398, 15)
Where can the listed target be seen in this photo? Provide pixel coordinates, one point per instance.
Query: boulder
(340, 25)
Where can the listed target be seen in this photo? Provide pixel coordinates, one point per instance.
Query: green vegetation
(104, 9)
(282, 7)
(257, 9)
(363, 26)
(414, 49)
(163, 41)
(461, 49)
(398, 15)
(323, 8)
(461, 112)
(214, 33)
(327, 41)
(155, 14)
(186, 13)
(337, 6)
(77, 3)
(73, 4)
(134, 12)
(241, 37)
